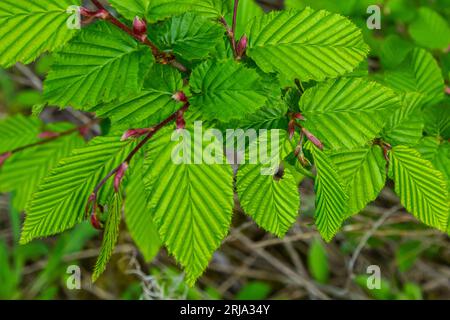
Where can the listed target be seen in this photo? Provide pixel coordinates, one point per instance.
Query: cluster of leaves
(301, 72)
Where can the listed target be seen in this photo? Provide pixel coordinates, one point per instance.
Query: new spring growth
(140, 28)
(134, 133)
(92, 203)
(314, 140)
(4, 157)
(119, 176)
(48, 135)
(101, 13)
(241, 47)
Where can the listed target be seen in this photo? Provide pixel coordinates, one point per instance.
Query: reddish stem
(166, 59)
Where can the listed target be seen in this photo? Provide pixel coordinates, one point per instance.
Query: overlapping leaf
(62, 196)
(422, 189)
(437, 120)
(101, 64)
(30, 28)
(363, 172)
(191, 36)
(272, 202)
(24, 170)
(430, 29)
(331, 198)
(153, 104)
(138, 217)
(347, 113)
(307, 44)
(226, 90)
(418, 73)
(192, 203)
(438, 153)
(18, 131)
(110, 235)
(406, 125)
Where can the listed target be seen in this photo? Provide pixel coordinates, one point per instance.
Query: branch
(161, 56)
(119, 171)
(47, 137)
(231, 31)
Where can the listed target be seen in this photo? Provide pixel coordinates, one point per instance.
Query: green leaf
(60, 201)
(271, 201)
(430, 29)
(438, 153)
(405, 126)
(138, 218)
(213, 8)
(318, 265)
(421, 188)
(152, 105)
(131, 8)
(160, 9)
(101, 64)
(394, 50)
(418, 73)
(308, 44)
(363, 172)
(192, 203)
(348, 112)
(226, 90)
(247, 10)
(24, 170)
(110, 235)
(331, 198)
(191, 36)
(30, 28)
(18, 131)
(437, 120)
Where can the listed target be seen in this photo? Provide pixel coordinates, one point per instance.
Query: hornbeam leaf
(24, 170)
(226, 90)
(101, 64)
(348, 112)
(110, 235)
(191, 36)
(363, 172)
(305, 45)
(30, 28)
(405, 126)
(18, 131)
(138, 217)
(437, 119)
(192, 204)
(271, 201)
(430, 29)
(61, 197)
(419, 72)
(422, 189)
(152, 105)
(438, 152)
(331, 197)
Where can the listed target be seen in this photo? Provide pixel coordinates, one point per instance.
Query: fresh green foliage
(310, 45)
(110, 235)
(348, 112)
(194, 228)
(301, 77)
(30, 28)
(101, 64)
